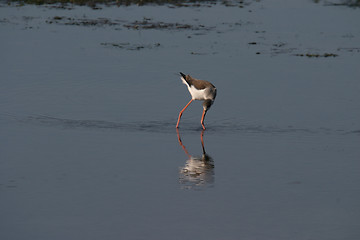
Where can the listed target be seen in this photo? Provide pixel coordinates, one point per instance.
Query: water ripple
(151, 126)
(168, 126)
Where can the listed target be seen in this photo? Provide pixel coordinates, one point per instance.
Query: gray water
(89, 101)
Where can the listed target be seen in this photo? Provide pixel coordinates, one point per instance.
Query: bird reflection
(198, 172)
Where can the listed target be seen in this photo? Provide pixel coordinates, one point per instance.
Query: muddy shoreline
(97, 4)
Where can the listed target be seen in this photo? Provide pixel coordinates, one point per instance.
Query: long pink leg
(202, 119)
(181, 112)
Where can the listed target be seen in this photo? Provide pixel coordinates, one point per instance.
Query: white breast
(197, 94)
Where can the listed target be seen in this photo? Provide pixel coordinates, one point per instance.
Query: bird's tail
(183, 79)
(183, 75)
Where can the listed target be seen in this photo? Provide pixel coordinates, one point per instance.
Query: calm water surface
(89, 101)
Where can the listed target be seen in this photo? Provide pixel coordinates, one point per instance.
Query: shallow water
(89, 101)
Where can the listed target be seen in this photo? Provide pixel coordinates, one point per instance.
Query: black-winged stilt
(200, 90)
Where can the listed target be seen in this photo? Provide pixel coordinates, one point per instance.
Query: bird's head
(207, 104)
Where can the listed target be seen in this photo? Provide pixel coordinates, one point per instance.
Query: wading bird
(200, 90)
